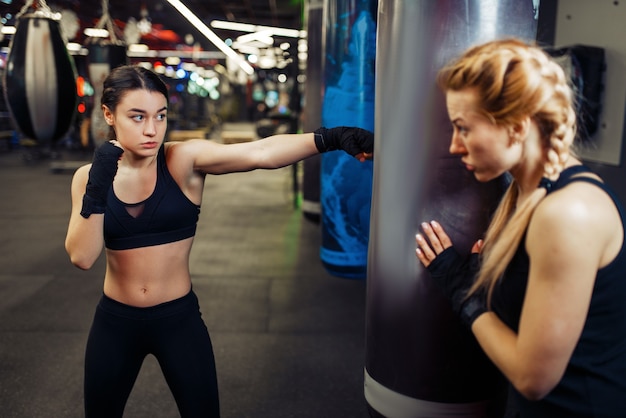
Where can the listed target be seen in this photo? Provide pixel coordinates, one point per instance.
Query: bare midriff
(148, 276)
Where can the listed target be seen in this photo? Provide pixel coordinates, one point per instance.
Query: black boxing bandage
(101, 175)
(352, 140)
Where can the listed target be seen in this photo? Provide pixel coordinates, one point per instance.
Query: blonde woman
(546, 297)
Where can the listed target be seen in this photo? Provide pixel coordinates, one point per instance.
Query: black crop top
(594, 383)
(167, 215)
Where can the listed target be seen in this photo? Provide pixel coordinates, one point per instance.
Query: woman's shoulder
(177, 152)
(576, 201)
(189, 147)
(198, 154)
(580, 211)
(82, 172)
(181, 161)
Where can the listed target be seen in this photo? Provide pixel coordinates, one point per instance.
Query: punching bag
(40, 78)
(311, 208)
(102, 57)
(420, 361)
(346, 183)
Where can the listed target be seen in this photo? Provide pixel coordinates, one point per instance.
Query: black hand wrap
(455, 275)
(101, 175)
(352, 140)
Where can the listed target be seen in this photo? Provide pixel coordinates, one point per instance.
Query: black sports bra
(167, 215)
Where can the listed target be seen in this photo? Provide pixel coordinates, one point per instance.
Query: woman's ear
(108, 115)
(519, 131)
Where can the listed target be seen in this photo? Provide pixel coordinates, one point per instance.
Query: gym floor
(288, 337)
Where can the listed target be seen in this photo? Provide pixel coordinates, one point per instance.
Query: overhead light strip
(245, 27)
(210, 35)
(195, 55)
(263, 36)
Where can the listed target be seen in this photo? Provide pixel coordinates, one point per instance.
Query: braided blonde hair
(515, 80)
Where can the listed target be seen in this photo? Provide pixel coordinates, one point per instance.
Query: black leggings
(122, 336)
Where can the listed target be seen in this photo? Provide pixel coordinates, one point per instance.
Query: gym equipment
(420, 360)
(346, 184)
(311, 208)
(40, 77)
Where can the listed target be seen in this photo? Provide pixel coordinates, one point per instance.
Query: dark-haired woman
(139, 200)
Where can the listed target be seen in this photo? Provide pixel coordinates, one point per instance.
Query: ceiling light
(138, 48)
(267, 62)
(164, 53)
(244, 27)
(96, 33)
(210, 35)
(264, 36)
(248, 49)
(255, 44)
(173, 60)
(73, 46)
(74, 50)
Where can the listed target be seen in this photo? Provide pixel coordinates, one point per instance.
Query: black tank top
(167, 215)
(594, 383)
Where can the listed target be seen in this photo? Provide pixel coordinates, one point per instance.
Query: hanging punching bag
(346, 184)
(420, 361)
(40, 78)
(102, 57)
(311, 208)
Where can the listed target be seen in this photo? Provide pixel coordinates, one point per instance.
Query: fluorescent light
(164, 53)
(96, 33)
(138, 48)
(73, 47)
(241, 27)
(254, 44)
(173, 60)
(247, 49)
(244, 27)
(210, 35)
(8, 30)
(264, 36)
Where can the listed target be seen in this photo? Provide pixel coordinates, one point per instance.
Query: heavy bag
(420, 361)
(311, 208)
(102, 58)
(346, 184)
(40, 79)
